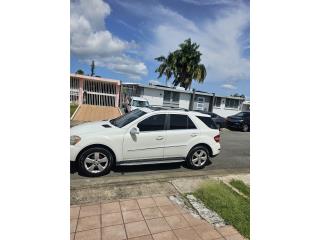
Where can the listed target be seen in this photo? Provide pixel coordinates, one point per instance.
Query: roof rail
(159, 107)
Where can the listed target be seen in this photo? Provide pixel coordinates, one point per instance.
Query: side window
(190, 124)
(178, 121)
(208, 121)
(153, 123)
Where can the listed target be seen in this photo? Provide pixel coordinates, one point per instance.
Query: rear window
(208, 121)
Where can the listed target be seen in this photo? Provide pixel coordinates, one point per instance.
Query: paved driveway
(235, 154)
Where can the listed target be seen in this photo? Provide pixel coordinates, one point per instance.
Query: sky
(123, 38)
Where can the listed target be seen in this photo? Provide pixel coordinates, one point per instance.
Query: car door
(180, 131)
(149, 142)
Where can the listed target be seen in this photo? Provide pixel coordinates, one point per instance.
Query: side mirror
(134, 131)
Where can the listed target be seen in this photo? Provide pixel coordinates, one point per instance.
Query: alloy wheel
(199, 158)
(96, 162)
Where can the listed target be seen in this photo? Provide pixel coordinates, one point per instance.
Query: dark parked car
(239, 121)
(218, 120)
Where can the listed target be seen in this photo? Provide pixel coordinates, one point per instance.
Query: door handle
(159, 138)
(194, 134)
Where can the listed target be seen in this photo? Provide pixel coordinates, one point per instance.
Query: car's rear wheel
(95, 161)
(245, 128)
(198, 157)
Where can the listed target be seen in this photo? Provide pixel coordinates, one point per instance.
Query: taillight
(217, 138)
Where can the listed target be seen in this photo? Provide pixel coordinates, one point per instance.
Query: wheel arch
(204, 145)
(96, 145)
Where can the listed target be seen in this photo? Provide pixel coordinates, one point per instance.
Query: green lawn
(241, 186)
(232, 207)
(73, 107)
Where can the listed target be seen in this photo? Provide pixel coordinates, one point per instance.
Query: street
(235, 154)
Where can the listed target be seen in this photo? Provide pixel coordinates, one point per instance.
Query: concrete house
(104, 92)
(159, 95)
(227, 106)
(94, 90)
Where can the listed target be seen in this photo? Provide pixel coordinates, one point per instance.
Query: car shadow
(142, 168)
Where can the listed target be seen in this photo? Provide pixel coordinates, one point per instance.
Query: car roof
(209, 113)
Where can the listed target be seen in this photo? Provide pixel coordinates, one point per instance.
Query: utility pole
(92, 68)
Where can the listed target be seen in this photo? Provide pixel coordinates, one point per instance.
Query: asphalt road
(235, 154)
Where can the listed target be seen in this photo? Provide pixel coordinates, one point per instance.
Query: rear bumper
(215, 150)
(215, 153)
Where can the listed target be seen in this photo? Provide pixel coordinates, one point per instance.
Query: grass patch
(73, 107)
(241, 186)
(232, 207)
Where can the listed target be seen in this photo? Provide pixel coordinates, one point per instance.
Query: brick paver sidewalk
(150, 218)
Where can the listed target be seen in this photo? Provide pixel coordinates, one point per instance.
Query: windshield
(125, 119)
(137, 103)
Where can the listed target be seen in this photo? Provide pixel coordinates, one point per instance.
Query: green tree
(92, 68)
(80, 71)
(183, 64)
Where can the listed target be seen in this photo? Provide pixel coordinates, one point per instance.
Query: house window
(232, 103)
(200, 103)
(167, 96)
(171, 99)
(217, 101)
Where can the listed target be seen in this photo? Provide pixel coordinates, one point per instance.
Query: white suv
(138, 102)
(144, 136)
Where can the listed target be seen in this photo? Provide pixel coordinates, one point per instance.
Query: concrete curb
(83, 183)
(108, 190)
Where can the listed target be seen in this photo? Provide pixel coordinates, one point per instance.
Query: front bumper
(74, 151)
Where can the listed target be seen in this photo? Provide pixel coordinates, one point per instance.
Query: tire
(245, 128)
(95, 162)
(197, 157)
(218, 126)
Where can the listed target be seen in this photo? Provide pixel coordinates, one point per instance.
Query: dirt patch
(115, 192)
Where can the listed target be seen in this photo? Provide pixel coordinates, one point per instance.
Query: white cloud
(229, 86)
(219, 39)
(90, 40)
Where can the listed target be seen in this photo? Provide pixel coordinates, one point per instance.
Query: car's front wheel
(197, 157)
(95, 161)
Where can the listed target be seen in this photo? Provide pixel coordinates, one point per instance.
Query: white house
(159, 95)
(226, 105)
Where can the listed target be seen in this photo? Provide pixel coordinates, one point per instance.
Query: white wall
(154, 96)
(184, 100)
(224, 112)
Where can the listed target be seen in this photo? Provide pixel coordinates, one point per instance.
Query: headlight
(74, 140)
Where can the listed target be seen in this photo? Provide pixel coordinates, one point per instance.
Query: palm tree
(183, 64)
